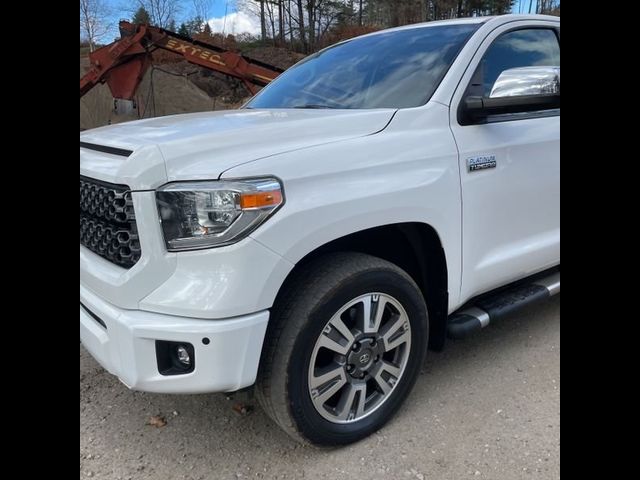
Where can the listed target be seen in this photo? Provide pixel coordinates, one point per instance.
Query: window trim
(503, 118)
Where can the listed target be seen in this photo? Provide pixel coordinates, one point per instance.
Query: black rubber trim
(506, 303)
(94, 316)
(103, 148)
(477, 109)
(461, 326)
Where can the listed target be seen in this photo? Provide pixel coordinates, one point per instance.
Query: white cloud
(235, 23)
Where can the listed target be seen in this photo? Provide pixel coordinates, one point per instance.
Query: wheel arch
(416, 248)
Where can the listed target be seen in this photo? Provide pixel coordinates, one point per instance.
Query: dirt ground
(487, 407)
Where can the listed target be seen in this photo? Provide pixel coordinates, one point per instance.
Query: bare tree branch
(202, 9)
(94, 21)
(161, 12)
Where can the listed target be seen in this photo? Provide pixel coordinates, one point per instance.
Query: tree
(301, 28)
(263, 22)
(281, 20)
(161, 12)
(308, 25)
(195, 26)
(94, 24)
(183, 30)
(141, 17)
(548, 7)
(202, 8)
(192, 27)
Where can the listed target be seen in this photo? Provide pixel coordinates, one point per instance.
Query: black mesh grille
(108, 222)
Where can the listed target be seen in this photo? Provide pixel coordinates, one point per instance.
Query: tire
(372, 379)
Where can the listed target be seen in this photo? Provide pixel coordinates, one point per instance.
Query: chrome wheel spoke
(395, 333)
(386, 376)
(384, 386)
(335, 373)
(325, 392)
(339, 325)
(327, 339)
(389, 368)
(327, 342)
(373, 311)
(352, 403)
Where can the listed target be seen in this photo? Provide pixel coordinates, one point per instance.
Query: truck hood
(147, 153)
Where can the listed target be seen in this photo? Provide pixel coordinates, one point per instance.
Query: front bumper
(126, 347)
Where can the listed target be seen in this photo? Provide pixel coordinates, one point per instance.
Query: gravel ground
(487, 407)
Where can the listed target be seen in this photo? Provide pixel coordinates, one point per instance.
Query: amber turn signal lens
(260, 199)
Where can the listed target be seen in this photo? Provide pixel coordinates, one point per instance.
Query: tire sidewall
(311, 424)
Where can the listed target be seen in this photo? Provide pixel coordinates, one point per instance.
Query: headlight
(197, 215)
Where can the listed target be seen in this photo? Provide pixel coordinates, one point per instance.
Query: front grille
(108, 222)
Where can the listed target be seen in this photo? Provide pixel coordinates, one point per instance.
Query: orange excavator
(123, 63)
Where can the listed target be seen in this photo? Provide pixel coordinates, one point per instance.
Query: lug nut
(356, 346)
(377, 359)
(350, 368)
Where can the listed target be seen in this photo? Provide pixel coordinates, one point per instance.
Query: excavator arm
(123, 63)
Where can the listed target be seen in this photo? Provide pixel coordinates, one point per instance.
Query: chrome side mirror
(516, 82)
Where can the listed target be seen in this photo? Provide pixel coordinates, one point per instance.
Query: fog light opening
(175, 358)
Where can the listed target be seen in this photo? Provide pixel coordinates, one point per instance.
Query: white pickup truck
(380, 196)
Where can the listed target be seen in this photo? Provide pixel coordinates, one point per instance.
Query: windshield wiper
(315, 106)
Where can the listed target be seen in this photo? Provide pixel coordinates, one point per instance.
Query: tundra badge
(480, 163)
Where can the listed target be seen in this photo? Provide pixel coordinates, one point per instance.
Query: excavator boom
(123, 63)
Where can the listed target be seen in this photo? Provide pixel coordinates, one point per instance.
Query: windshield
(397, 69)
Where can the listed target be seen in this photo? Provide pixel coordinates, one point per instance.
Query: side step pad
(484, 311)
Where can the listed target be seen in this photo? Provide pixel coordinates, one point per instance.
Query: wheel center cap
(362, 359)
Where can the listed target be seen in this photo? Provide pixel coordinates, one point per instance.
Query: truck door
(509, 166)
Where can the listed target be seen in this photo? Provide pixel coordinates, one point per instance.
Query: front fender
(407, 173)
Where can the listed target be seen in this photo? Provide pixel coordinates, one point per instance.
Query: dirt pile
(163, 91)
(172, 87)
(222, 89)
(95, 107)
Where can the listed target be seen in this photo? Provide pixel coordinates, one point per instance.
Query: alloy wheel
(359, 358)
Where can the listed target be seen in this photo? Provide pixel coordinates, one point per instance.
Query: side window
(519, 48)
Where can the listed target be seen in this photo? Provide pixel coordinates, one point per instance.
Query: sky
(217, 7)
(234, 23)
